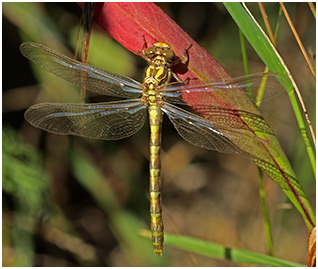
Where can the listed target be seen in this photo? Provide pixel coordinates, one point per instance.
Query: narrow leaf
(218, 251)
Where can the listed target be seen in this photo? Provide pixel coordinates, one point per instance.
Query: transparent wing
(95, 79)
(240, 90)
(227, 133)
(108, 121)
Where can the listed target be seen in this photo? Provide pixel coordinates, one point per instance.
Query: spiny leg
(144, 52)
(185, 55)
(178, 60)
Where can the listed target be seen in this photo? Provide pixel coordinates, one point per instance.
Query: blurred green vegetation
(69, 201)
(26, 183)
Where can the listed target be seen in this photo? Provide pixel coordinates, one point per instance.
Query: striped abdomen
(155, 118)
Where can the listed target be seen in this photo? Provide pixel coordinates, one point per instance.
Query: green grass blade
(272, 59)
(267, 224)
(218, 251)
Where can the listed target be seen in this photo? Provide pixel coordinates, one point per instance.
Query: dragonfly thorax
(157, 75)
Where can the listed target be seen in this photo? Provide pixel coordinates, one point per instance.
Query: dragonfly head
(160, 50)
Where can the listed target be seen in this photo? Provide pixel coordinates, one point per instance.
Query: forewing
(95, 79)
(237, 91)
(108, 121)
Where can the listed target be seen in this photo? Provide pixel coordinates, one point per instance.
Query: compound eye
(168, 54)
(150, 52)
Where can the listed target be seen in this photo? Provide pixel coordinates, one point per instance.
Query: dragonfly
(162, 92)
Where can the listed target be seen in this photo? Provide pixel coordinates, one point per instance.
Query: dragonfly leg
(178, 80)
(187, 79)
(185, 55)
(144, 46)
(175, 76)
